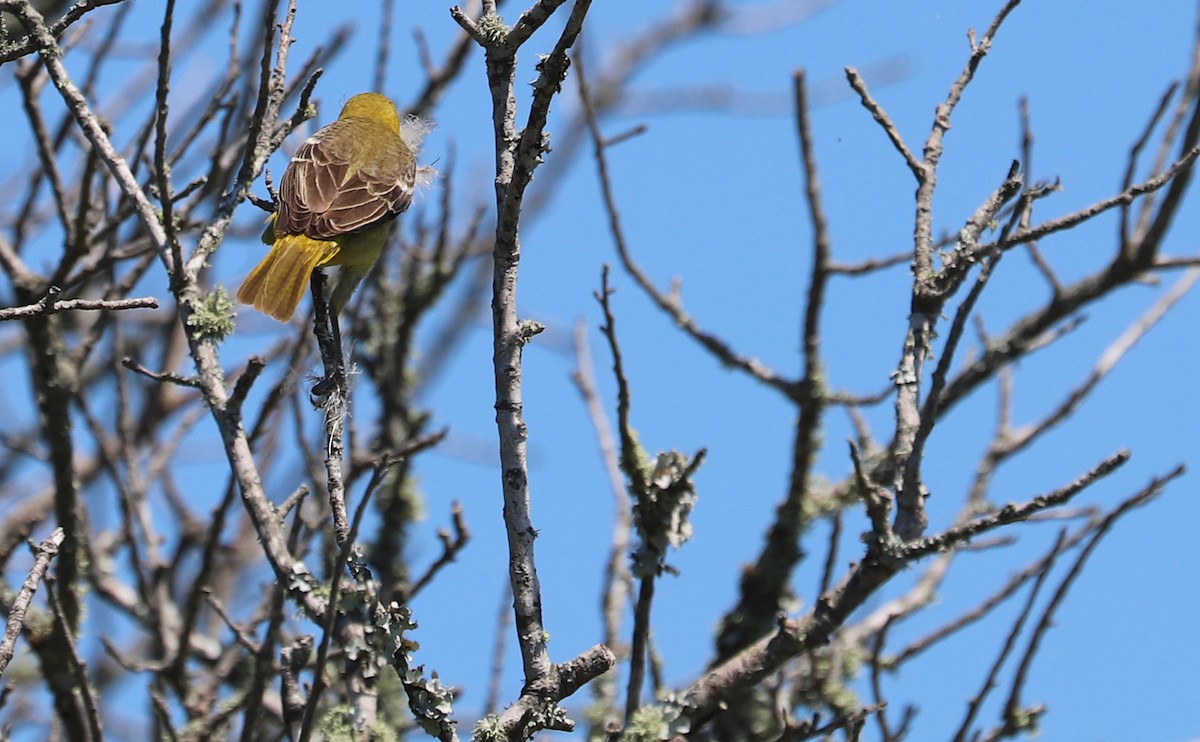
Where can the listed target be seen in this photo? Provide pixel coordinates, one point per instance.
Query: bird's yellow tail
(276, 285)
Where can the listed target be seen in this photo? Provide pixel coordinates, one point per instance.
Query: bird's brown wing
(345, 178)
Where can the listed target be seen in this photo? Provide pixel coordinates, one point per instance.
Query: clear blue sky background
(716, 200)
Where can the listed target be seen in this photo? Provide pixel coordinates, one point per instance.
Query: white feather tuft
(413, 130)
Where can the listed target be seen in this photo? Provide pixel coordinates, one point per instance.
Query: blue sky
(715, 199)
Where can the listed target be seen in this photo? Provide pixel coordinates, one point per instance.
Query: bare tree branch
(20, 604)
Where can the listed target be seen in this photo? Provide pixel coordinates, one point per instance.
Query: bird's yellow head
(373, 107)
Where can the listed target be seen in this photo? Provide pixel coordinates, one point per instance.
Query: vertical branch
(332, 394)
(385, 45)
(516, 157)
(162, 174)
(663, 497)
(506, 360)
(819, 272)
(907, 516)
(632, 463)
(927, 297)
(54, 385)
(77, 670)
(638, 647)
(496, 671)
(765, 584)
(617, 580)
(31, 86)
(923, 227)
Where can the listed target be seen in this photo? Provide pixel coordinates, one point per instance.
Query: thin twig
(384, 45)
(452, 544)
(877, 645)
(631, 464)
(881, 117)
(617, 580)
(1013, 513)
(75, 305)
(668, 303)
(934, 147)
(20, 604)
(1015, 717)
(78, 670)
(831, 553)
(1127, 196)
(1010, 641)
(1014, 583)
(1124, 232)
(161, 376)
(870, 265)
(499, 643)
(162, 175)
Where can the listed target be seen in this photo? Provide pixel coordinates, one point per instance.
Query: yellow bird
(337, 201)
